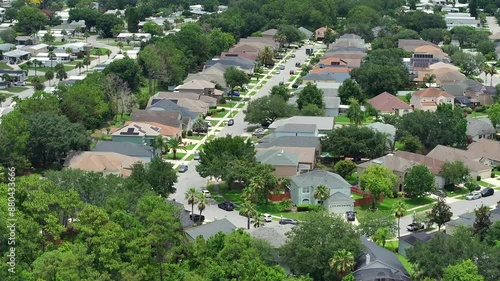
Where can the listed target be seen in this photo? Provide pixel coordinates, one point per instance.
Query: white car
(473, 196)
(207, 193)
(268, 218)
(277, 72)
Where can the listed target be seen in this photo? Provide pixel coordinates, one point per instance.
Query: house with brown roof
(201, 87)
(247, 56)
(399, 166)
(335, 61)
(410, 44)
(211, 101)
(320, 33)
(447, 76)
(169, 118)
(164, 130)
(426, 55)
(433, 164)
(429, 99)
(269, 33)
(102, 162)
(330, 69)
(387, 103)
(488, 149)
(247, 48)
(136, 132)
(470, 159)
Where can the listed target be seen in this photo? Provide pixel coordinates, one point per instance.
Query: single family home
(143, 152)
(481, 128)
(387, 103)
(286, 164)
(208, 230)
(488, 149)
(102, 162)
(429, 99)
(470, 159)
(399, 166)
(323, 124)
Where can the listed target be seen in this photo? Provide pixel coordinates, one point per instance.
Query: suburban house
(488, 149)
(298, 130)
(429, 99)
(201, 87)
(16, 56)
(377, 264)
(5, 47)
(210, 101)
(468, 219)
(461, 19)
(306, 157)
(214, 74)
(480, 128)
(306, 142)
(286, 164)
(426, 55)
(399, 166)
(241, 63)
(274, 234)
(102, 162)
(334, 61)
(169, 105)
(387, 103)
(446, 76)
(388, 129)
(36, 49)
(269, 33)
(412, 239)
(302, 189)
(252, 57)
(327, 77)
(323, 124)
(168, 118)
(307, 33)
(16, 75)
(164, 130)
(433, 164)
(470, 159)
(349, 40)
(320, 33)
(143, 152)
(124, 36)
(411, 44)
(332, 106)
(195, 106)
(139, 133)
(181, 213)
(210, 229)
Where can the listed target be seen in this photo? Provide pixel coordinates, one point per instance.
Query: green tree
(482, 222)
(378, 180)
(486, 47)
(411, 144)
(312, 110)
(235, 78)
(399, 210)
(330, 37)
(266, 57)
(350, 89)
(79, 65)
(8, 36)
(152, 28)
(290, 32)
(86, 61)
(344, 168)
(470, 64)
(440, 213)
(192, 195)
(258, 220)
(14, 136)
(60, 72)
(494, 114)
(160, 175)
(456, 172)
(248, 210)
(418, 181)
(310, 95)
(127, 70)
(88, 14)
(464, 271)
(175, 144)
(355, 114)
(321, 193)
(202, 202)
(353, 141)
(268, 108)
(312, 242)
(342, 262)
(280, 91)
(220, 41)
(381, 236)
(48, 38)
(369, 223)
(49, 75)
(30, 20)
(434, 35)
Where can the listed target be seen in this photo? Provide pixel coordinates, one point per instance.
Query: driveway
(192, 179)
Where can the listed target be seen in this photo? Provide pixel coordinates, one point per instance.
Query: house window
(305, 189)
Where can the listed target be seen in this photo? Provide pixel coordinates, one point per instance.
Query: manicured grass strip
(178, 156)
(194, 137)
(485, 184)
(16, 89)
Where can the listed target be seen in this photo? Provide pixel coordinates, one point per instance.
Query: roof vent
(368, 259)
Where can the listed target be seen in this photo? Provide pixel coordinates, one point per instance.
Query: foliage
(310, 95)
(105, 24)
(8, 36)
(127, 70)
(266, 57)
(381, 236)
(482, 222)
(350, 89)
(312, 242)
(411, 143)
(352, 141)
(285, 204)
(440, 213)
(355, 114)
(280, 91)
(399, 210)
(464, 271)
(235, 77)
(419, 20)
(160, 175)
(152, 28)
(370, 222)
(342, 262)
(434, 35)
(418, 181)
(30, 20)
(321, 193)
(344, 168)
(268, 108)
(494, 114)
(378, 179)
(456, 172)
(470, 64)
(312, 110)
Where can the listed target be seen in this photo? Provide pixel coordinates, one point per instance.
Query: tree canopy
(268, 109)
(378, 180)
(354, 141)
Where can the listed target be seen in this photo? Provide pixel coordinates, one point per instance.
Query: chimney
(367, 259)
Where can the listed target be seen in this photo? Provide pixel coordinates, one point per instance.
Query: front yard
(411, 203)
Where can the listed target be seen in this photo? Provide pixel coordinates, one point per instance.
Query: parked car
(289, 221)
(20, 83)
(473, 196)
(207, 193)
(295, 85)
(182, 168)
(230, 122)
(235, 94)
(196, 218)
(440, 193)
(293, 55)
(414, 226)
(292, 72)
(282, 67)
(268, 218)
(350, 215)
(277, 72)
(196, 156)
(297, 64)
(228, 206)
(487, 192)
(259, 132)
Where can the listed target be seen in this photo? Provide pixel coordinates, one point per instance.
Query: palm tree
(69, 51)
(192, 197)
(381, 236)
(158, 144)
(355, 114)
(321, 193)
(202, 202)
(108, 53)
(256, 186)
(86, 35)
(3, 98)
(175, 144)
(35, 63)
(399, 210)
(86, 62)
(266, 56)
(491, 70)
(49, 75)
(248, 210)
(258, 220)
(342, 261)
(98, 53)
(282, 184)
(429, 79)
(79, 65)
(120, 45)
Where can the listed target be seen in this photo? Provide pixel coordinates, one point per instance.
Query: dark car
(197, 218)
(292, 72)
(182, 168)
(235, 94)
(289, 221)
(297, 64)
(487, 192)
(350, 215)
(414, 226)
(230, 122)
(295, 85)
(440, 193)
(228, 206)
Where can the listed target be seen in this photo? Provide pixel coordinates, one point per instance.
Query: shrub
(183, 134)
(212, 111)
(285, 204)
(222, 100)
(221, 109)
(304, 207)
(468, 110)
(478, 178)
(493, 175)
(190, 133)
(479, 109)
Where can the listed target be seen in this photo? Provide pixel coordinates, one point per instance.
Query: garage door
(340, 208)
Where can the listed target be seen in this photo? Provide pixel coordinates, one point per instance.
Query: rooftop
(486, 148)
(277, 157)
(320, 177)
(386, 102)
(210, 229)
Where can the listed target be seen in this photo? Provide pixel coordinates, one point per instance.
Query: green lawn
(403, 98)
(227, 105)
(3, 65)
(103, 51)
(16, 89)
(42, 78)
(478, 114)
(214, 122)
(459, 191)
(171, 155)
(221, 114)
(194, 137)
(356, 196)
(67, 67)
(190, 147)
(241, 105)
(485, 184)
(6, 95)
(386, 205)
(190, 157)
(342, 119)
(291, 78)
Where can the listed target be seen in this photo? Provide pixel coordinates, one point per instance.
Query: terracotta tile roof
(386, 102)
(433, 164)
(330, 70)
(164, 130)
(431, 92)
(105, 162)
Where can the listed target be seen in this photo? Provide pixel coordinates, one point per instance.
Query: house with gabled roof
(302, 188)
(412, 239)
(285, 163)
(208, 230)
(387, 103)
(433, 164)
(326, 77)
(270, 32)
(399, 166)
(141, 151)
(472, 160)
(246, 65)
(139, 133)
(323, 124)
(481, 128)
(102, 162)
(488, 149)
(199, 86)
(320, 33)
(169, 118)
(411, 44)
(429, 99)
(307, 33)
(210, 101)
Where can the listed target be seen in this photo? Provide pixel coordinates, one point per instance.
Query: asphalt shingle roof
(293, 141)
(210, 229)
(296, 128)
(320, 177)
(277, 157)
(169, 105)
(125, 148)
(480, 126)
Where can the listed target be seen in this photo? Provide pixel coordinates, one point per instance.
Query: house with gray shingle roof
(399, 166)
(285, 163)
(298, 130)
(210, 229)
(273, 140)
(302, 188)
(141, 151)
(182, 215)
(412, 239)
(168, 105)
(246, 65)
(307, 33)
(323, 124)
(468, 219)
(480, 128)
(326, 77)
(488, 149)
(470, 159)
